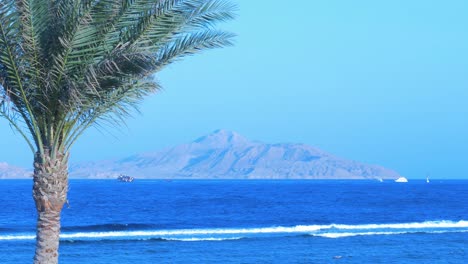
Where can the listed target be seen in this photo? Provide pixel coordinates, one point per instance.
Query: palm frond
(189, 44)
(12, 63)
(66, 65)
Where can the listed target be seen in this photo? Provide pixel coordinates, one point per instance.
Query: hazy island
(224, 155)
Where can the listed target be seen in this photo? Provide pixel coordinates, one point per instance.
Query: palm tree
(67, 64)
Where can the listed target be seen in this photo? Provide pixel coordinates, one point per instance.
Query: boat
(380, 179)
(427, 178)
(125, 178)
(401, 179)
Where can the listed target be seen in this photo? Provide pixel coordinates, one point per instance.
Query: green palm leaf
(66, 64)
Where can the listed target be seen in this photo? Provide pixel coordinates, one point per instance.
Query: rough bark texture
(50, 193)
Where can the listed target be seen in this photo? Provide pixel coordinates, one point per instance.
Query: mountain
(11, 172)
(228, 155)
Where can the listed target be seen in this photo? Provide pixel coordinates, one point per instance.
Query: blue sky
(382, 82)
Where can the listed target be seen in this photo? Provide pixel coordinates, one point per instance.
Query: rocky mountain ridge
(225, 154)
(8, 171)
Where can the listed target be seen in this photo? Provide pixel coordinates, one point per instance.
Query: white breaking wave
(177, 234)
(185, 232)
(340, 235)
(202, 239)
(427, 224)
(17, 237)
(219, 234)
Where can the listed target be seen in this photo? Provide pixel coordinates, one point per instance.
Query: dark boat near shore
(125, 178)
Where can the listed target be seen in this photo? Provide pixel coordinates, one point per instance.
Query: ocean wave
(345, 234)
(162, 239)
(17, 237)
(427, 224)
(178, 233)
(220, 234)
(108, 227)
(340, 235)
(193, 239)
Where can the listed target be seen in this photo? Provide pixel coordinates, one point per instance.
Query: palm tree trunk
(50, 193)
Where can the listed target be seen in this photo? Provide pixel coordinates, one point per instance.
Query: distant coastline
(226, 155)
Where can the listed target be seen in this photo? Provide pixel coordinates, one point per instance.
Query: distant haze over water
(225, 154)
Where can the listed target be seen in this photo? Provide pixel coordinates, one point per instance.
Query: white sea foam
(17, 237)
(191, 232)
(333, 230)
(348, 234)
(427, 224)
(202, 239)
(339, 235)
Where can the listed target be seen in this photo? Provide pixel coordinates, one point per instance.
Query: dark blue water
(246, 222)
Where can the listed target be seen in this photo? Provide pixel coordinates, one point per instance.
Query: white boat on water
(401, 179)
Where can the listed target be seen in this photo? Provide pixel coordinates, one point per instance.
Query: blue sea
(157, 221)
